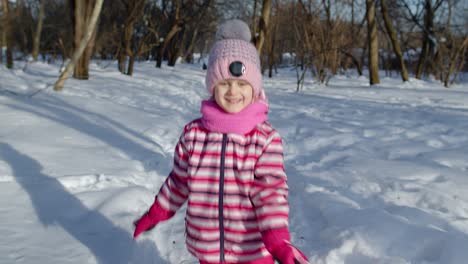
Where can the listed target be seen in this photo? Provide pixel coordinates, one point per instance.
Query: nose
(233, 89)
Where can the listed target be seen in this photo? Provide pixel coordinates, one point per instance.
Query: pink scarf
(216, 119)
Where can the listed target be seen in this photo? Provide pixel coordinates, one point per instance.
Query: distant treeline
(409, 37)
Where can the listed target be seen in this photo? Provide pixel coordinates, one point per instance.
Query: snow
(377, 174)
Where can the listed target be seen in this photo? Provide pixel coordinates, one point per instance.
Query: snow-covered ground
(376, 174)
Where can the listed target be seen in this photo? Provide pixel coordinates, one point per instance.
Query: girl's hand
(144, 224)
(150, 219)
(288, 254)
(277, 242)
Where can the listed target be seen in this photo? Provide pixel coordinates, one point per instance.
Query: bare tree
(20, 22)
(454, 49)
(7, 34)
(429, 39)
(38, 32)
(134, 11)
(254, 20)
(457, 56)
(271, 42)
(191, 26)
(56, 38)
(373, 43)
(326, 38)
(355, 30)
(82, 16)
(3, 32)
(175, 27)
(263, 26)
(88, 33)
(183, 16)
(305, 19)
(393, 37)
(428, 48)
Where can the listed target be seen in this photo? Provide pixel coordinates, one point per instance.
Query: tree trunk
(3, 32)
(37, 34)
(428, 44)
(449, 15)
(393, 37)
(63, 50)
(271, 52)
(176, 27)
(422, 59)
(127, 50)
(458, 55)
(254, 21)
(3, 35)
(355, 61)
(131, 63)
(121, 61)
(174, 30)
(83, 11)
(89, 32)
(135, 10)
(180, 20)
(79, 17)
(263, 26)
(461, 62)
(3, 43)
(8, 37)
(327, 6)
(189, 52)
(175, 50)
(373, 43)
(21, 33)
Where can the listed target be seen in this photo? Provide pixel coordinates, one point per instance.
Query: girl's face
(233, 95)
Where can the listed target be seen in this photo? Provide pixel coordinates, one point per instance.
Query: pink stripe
(264, 260)
(215, 206)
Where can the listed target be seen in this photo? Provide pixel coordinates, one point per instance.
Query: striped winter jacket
(236, 188)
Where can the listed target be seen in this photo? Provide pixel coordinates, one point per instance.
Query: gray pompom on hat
(234, 29)
(233, 56)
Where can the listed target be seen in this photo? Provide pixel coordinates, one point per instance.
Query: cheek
(217, 97)
(253, 96)
(216, 93)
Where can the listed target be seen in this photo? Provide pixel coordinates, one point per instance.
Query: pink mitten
(277, 243)
(288, 254)
(151, 218)
(145, 223)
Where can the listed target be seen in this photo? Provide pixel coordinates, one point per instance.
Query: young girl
(228, 164)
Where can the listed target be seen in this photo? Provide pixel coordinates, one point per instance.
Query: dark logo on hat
(237, 68)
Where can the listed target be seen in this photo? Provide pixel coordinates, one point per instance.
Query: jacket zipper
(221, 199)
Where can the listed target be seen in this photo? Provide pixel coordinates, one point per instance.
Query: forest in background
(418, 38)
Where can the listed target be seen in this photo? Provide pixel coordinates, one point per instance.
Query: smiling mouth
(234, 101)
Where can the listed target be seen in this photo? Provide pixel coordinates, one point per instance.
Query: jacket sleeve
(269, 193)
(174, 191)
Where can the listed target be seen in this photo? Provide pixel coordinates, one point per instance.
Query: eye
(242, 83)
(222, 83)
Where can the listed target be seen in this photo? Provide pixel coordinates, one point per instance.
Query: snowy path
(376, 175)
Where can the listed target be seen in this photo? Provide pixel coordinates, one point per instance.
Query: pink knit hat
(234, 57)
